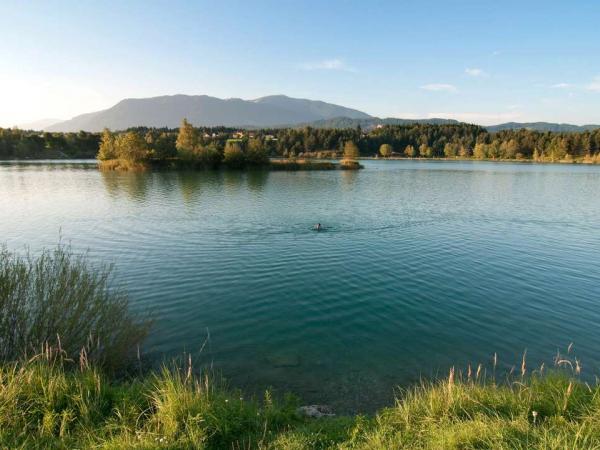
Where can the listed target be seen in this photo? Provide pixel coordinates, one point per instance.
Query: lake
(422, 265)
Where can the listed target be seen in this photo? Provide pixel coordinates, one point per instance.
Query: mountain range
(265, 112)
(202, 110)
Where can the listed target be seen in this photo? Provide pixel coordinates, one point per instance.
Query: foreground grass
(64, 399)
(48, 403)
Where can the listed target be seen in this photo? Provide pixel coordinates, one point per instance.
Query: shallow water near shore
(423, 265)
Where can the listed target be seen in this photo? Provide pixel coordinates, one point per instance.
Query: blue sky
(479, 61)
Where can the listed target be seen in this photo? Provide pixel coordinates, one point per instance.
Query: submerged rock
(316, 411)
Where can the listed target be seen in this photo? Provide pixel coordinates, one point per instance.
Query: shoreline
(50, 402)
(315, 161)
(291, 165)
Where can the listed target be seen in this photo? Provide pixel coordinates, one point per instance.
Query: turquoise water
(423, 265)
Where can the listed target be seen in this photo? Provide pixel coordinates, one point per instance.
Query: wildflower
(534, 414)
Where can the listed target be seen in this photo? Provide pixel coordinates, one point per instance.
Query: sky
(478, 61)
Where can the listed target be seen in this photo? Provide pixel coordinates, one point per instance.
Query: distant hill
(38, 125)
(202, 110)
(542, 126)
(372, 122)
(275, 111)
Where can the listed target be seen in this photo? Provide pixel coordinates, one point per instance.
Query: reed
(57, 300)
(123, 165)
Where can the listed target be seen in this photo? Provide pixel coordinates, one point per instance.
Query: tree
(208, 156)
(256, 152)
(508, 149)
(493, 150)
(410, 151)
(480, 151)
(558, 148)
(187, 138)
(351, 150)
(386, 150)
(107, 149)
(234, 156)
(163, 146)
(425, 151)
(131, 147)
(450, 150)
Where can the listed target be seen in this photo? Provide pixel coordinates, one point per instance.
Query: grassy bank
(46, 403)
(71, 377)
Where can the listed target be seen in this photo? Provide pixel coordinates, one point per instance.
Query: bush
(59, 300)
(386, 150)
(257, 154)
(234, 156)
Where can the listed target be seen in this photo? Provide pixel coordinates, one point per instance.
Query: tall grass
(43, 405)
(59, 301)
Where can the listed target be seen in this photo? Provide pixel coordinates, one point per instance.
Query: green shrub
(233, 156)
(58, 300)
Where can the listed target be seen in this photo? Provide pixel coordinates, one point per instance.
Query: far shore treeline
(213, 146)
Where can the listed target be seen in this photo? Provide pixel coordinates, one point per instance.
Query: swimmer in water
(318, 227)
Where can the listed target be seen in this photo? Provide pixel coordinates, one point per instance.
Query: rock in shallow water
(316, 411)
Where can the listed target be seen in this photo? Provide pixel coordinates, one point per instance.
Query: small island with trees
(191, 149)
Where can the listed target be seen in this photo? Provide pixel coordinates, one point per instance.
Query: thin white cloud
(475, 72)
(328, 64)
(561, 86)
(594, 86)
(439, 87)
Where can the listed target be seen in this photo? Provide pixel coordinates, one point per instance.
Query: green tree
(208, 156)
(131, 147)
(233, 155)
(256, 152)
(163, 146)
(450, 150)
(508, 149)
(187, 138)
(425, 151)
(107, 149)
(386, 150)
(480, 151)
